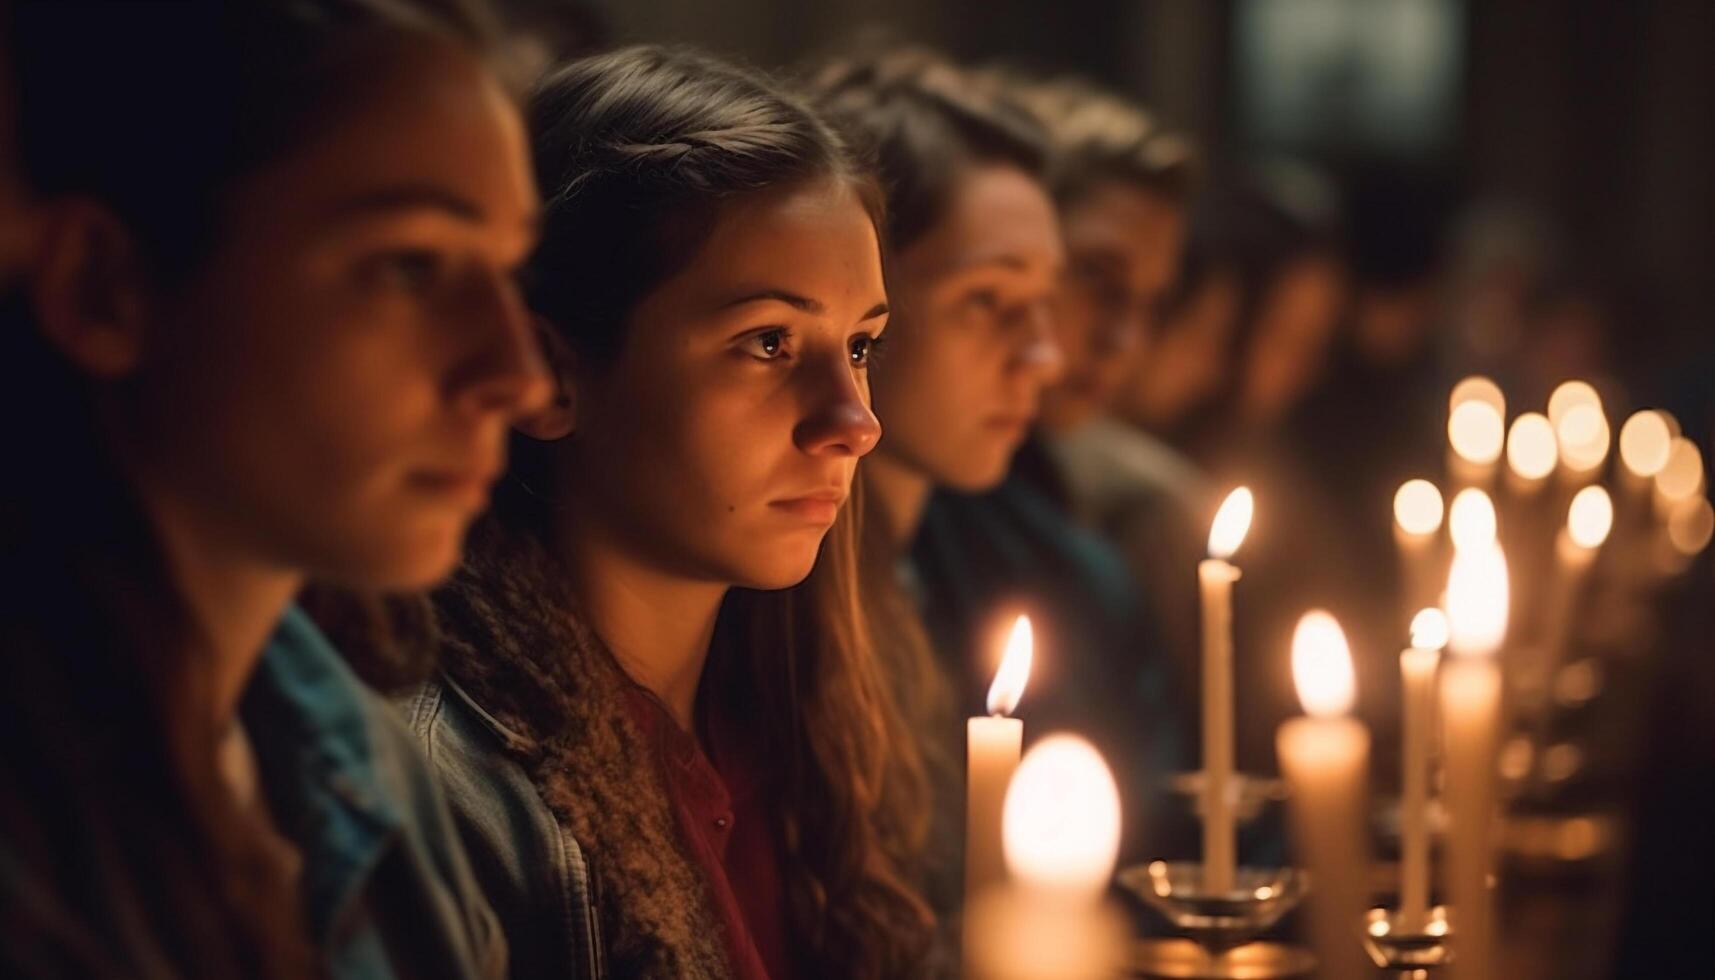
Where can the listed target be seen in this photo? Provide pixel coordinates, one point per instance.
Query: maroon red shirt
(724, 820)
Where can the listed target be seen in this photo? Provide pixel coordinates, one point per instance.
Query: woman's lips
(466, 487)
(815, 508)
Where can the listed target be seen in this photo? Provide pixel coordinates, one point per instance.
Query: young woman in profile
(661, 722)
(269, 335)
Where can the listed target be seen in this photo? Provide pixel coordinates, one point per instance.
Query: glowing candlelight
(1691, 526)
(1417, 666)
(1476, 432)
(1681, 476)
(1477, 388)
(1644, 443)
(1590, 518)
(1532, 452)
(1417, 514)
(1477, 609)
(1216, 577)
(1062, 835)
(1471, 521)
(1325, 756)
(992, 747)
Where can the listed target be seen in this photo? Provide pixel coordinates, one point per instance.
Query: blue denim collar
(310, 720)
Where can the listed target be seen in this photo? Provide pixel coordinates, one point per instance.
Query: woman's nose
(1039, 346)
(839, 422)
(504, 373)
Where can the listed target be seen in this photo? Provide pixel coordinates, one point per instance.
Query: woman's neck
(902, 492)
(234, 599)
(659, 625)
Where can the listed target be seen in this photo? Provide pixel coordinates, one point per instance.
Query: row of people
(336, 368)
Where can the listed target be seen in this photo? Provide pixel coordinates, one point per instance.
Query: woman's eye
(863, 350)
(414, 269)
(767, 345)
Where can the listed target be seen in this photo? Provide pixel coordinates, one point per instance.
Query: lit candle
(992, 750)
(1216, 576)
(1589, 520)
(1581, 429)
(1476, 430)
(1417, 673)
(1477, 610)
(1471, 521)
(1417, 514)
(1325, 758)
(1532, 454)
(1061, 834)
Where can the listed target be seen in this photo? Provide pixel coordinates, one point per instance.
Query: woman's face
(333, 394)
(963, 374)
(1122, 247)
(1289, 344)
(720, 444)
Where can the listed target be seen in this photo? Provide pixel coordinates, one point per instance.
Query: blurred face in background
(1188, 360)
(974, 343)
(1289, 342)
(1122, 248)
(328, 391)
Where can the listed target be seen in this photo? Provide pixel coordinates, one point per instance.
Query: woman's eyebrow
(797, 302)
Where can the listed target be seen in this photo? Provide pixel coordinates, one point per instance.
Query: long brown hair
(122, 852)
(636, 152)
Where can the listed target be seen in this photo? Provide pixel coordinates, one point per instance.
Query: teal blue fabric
(388, 890)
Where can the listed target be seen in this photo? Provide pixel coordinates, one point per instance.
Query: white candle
(1215, 577)
(1418, 511)
(1589, 520)
(992, 750)
(1061, 833)
(1477, 609)
(1476, 430)
(1417, 673)
(1325, 758)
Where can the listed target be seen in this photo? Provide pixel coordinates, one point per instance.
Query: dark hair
(924, 122)
(121, 851)
(1095, 136)
(637, 151)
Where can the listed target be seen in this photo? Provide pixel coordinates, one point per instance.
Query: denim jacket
(525, 858)
(388, 888)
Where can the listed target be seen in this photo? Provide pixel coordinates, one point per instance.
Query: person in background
(974, 259)
(1123, 187)
(661, 721)
(270, 335)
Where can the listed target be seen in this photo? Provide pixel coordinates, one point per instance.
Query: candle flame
(1569, 395)
(1014, 671)
(1417, 507)
(1477, 432)
(1644, 443)
(1471, 522)
(1429, 629)
(1477, 388)
(1690, 526)
(1584, 437)
(1532, 450)
(1590, 517)
(1682, 475)
(1477, 599)
(1322, 666)
(1232, 522)
(1060, 826)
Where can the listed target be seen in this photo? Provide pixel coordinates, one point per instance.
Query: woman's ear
(560, 417)
(89, 289)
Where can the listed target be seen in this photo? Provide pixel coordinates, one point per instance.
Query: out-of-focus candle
(1581, 428)
(1644, 443)
(1681, 476)
(1325, 758)
(1061, 833)
(1532, 452)
(1417, 673)
(1417, 514)
(1471, 521)
(1215, 577)
(992, 751)
(1477, 611)
(1589, 520)
(1477, 388)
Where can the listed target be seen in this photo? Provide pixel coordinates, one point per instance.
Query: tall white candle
(992, 750)
(1589, 520)
(1417, 673)
(1325, 758)
(1215, 577)
(1477, 611)
(1417, 515)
